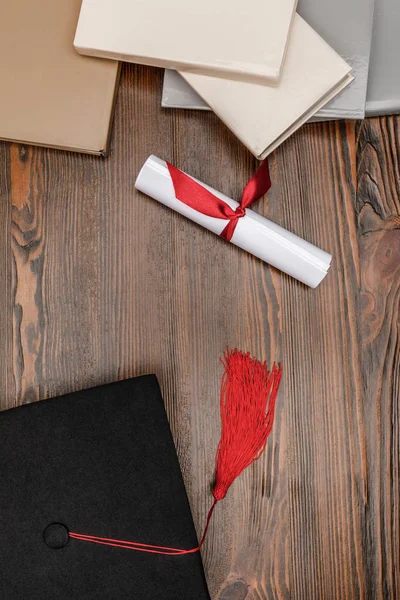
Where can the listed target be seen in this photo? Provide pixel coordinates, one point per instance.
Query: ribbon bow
(199, 198)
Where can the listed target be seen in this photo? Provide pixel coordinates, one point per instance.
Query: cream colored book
(261, 116)
(224, 38)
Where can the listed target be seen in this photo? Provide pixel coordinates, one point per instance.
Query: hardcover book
(177, 93)
(383, 95)
(51, 96)
(347, 27)
(261, 116)
(229, 38)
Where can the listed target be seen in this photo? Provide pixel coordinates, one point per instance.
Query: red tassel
(248, 395)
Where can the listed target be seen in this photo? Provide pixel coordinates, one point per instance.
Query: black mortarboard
(91, 475)
(101, 461)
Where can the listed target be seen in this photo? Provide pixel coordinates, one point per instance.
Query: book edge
(376, 108)
(341, 85)
(269, 74)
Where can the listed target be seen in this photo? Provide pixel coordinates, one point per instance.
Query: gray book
(383, 95)
(346, 26)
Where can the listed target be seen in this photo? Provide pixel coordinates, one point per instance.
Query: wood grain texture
(100, 283)
(7, 392)
(322, 351)
(378, 218)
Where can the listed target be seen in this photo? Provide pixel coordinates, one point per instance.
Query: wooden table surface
(99, 283)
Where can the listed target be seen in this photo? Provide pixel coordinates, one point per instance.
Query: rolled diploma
(254, 233)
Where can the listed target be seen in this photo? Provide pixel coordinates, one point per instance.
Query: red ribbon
(199, 198)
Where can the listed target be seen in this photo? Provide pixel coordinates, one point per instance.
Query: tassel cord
(164, 550)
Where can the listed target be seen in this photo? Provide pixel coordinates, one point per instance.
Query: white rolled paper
(254, 233)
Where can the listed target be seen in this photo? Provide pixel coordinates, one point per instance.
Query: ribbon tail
(258, 185)
(229, 230)
(198, 197)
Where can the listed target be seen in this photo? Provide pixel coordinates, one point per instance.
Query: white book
(225, 38)
(262, 116)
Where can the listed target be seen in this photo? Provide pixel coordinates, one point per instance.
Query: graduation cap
(90, 475)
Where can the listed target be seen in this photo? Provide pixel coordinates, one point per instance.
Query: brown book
(50, 95)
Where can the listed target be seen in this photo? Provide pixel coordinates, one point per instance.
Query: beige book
(51, 96)
(261, 116)
(224, 38)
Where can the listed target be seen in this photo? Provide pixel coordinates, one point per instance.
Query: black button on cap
(56, 536)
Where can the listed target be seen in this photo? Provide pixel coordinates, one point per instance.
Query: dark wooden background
(99, 283)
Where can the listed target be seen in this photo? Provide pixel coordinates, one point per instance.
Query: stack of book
(346, 26)
(259, 65)
(264, 67)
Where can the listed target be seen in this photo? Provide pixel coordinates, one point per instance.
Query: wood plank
(226, 297)
(89, 240)
(323, 387)
(378, 219)
(7, 388)
(27, 241)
